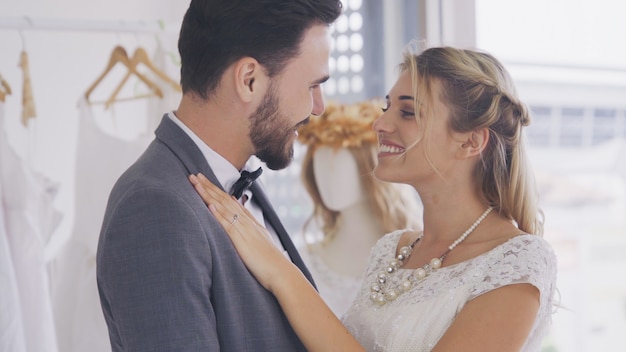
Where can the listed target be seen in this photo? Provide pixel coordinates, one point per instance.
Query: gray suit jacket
(169, 278)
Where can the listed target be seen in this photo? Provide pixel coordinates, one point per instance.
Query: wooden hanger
(132, 69)
(119, 55)
(141, 57)
(5, 89)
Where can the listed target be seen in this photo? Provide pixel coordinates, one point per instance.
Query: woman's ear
(475, 142)
(249, 79)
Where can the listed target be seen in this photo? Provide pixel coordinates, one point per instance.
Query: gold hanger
(119, 55)
(28, 100)
(5, 89)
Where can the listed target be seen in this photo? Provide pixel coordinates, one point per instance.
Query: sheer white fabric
(28, 220)
(417, 319)
(11, 324)
(336, 289)
(100, 159)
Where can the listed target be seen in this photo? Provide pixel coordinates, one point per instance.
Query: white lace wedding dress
(417, 319)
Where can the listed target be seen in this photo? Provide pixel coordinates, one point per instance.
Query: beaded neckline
(381, 294)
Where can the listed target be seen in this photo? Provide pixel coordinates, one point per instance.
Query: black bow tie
(244, 182)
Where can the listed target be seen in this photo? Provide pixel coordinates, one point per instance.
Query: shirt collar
(226, 173)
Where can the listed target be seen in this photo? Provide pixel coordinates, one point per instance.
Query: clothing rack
(120, 26)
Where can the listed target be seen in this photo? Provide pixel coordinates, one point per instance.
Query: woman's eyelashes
(404, 113)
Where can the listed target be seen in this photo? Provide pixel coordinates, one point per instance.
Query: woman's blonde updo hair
(479, 93)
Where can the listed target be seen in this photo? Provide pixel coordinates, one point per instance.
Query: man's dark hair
(216, 33)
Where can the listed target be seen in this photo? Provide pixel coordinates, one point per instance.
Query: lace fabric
(417, 319)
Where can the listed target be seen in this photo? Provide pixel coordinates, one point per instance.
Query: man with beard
(168, 276)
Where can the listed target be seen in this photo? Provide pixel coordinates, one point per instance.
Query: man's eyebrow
(320, 81)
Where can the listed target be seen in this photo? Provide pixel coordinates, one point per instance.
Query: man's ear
(474, 143)
(249, 78)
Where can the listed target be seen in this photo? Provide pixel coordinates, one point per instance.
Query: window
(569, 65)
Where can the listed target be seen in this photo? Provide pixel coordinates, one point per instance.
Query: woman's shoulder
(385, 247)
(524, 258)
(396, 238)
(527, 247)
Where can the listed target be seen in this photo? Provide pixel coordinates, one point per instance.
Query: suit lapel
(190, 155)
(272, 217)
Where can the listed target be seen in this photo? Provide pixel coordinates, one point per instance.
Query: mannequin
(351, 209)
(339, 182)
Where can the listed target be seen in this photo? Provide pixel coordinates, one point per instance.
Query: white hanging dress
(11, 324)
(28, 220)
(101, 158)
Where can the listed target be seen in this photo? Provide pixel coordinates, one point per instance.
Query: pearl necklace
(380, 294)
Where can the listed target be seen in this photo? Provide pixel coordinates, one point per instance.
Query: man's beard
(271, 133)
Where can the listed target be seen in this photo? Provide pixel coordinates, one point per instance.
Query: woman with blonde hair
(479, 276)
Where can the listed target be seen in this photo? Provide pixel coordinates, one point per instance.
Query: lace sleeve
(523, 259)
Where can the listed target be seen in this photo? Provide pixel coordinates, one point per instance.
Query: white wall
(63, 64)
